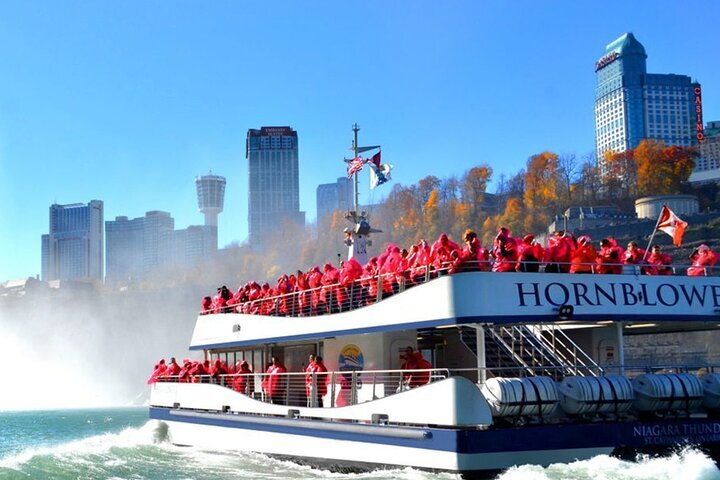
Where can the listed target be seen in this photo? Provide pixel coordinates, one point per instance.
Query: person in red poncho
(477, 257)
(703, 259)
(274, 383)
(206, 306)
(184, 374)
(315, 372)
(158, 371)
(584, 257)
(658, 263)
(504, 251)
(634, 255)
(559, 252)
(414, 361)
(610, 257)
(172, 371)
(530, 254)
(441, 251)
(242, 381)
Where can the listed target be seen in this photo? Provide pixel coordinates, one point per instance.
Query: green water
(124, 444)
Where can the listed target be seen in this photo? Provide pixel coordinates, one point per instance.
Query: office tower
(632, 105)
(134, 245)
(274, 192)
(188, 246)
(73, 249)
(710, 148)
(331, 197)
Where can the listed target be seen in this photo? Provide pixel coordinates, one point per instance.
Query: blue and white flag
(379, 174)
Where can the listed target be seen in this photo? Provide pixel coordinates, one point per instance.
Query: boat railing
(563, 348)
(368, 290)
(326, 389)
(344, 388)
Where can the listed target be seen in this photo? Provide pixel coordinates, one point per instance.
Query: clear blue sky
(128, 101)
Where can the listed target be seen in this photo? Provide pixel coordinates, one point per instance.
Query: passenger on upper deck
(206, 306)
(477, 256)
(173, 369)
(504, 251)
(559, 252)
(584, 256)
(441, 251)
(530, 254)
(610, 257)
(658, 263)
(703, 260)
(158, 371)
(634, 255)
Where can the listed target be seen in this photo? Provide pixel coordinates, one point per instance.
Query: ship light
(565, 312)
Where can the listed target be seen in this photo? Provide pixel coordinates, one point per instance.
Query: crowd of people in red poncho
(416, 372)
(331, 289)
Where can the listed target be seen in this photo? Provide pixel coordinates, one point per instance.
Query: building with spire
(632, 105)
(273, 184)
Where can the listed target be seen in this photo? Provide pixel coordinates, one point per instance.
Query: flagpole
(653, 234)
(356, 128)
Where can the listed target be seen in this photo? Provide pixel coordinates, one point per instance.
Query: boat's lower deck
(348, 445)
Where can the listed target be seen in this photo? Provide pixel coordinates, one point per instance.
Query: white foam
(688, 464)
(99, 444)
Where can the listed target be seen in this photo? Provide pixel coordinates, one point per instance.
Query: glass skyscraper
(273, 189)
(632, 105)
(73, 248)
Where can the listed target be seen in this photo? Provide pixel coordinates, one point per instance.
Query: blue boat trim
(499, 319)
(638, 434)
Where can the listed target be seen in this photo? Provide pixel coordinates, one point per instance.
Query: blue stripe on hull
(623, 435)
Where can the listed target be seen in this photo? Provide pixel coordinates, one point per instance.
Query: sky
(127, 102)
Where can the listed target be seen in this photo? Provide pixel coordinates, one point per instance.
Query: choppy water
(124, 444)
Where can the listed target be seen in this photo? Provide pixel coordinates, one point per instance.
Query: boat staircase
(529, 350)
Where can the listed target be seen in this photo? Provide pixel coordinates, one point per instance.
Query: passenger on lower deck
(243, 380)
(274, 383)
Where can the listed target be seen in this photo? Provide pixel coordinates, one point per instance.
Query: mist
(90, 349)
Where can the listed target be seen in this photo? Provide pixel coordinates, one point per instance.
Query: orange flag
(672, 225)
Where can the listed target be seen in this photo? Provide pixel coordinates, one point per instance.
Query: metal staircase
(522, 350)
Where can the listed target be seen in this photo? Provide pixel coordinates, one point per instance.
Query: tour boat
(527, 368)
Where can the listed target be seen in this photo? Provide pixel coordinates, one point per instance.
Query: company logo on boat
(351, 358)
(682, 433)
(617, 294)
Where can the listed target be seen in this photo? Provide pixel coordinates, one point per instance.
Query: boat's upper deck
(470, 297)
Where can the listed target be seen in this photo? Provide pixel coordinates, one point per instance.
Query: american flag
(355, 165)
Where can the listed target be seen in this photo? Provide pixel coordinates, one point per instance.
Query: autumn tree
(541, 186)
(661, 170)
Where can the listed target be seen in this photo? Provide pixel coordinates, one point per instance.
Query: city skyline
(121, 103)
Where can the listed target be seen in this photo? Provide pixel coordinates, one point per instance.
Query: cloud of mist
(89, 349)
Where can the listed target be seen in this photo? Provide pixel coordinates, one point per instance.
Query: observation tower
(210, 194)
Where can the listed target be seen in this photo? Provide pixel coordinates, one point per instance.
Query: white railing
(330, 389)
(365, 291)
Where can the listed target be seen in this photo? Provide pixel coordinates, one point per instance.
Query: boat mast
(356, 129)
(357, 237)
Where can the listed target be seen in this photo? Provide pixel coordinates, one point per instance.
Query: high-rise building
(707, 166)
(189, 245)
(134, 246)
(274, 190)
(632, 105)
(73, 248)
(331, 197)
